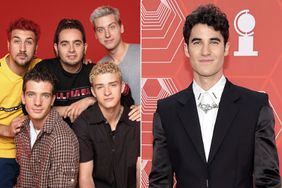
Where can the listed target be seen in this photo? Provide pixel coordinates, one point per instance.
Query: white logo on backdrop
(244, 23)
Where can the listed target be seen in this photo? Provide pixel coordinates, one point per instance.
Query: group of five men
(47, 150)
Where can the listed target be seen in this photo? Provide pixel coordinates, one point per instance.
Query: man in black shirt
(109, 142)
(73, 93)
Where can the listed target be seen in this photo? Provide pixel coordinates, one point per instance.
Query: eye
(113, 27)
(46, 96)
(17, 41)
(78, 44)
(114, 84)
(196, 42)
(214, 42)
(63, 44)
(30, 94)
(29, 42)
(100, 30)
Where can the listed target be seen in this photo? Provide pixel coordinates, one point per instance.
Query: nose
(38, 101)
(107, 33)
(206, 49)
(71, 48)
(107, 91)
(22, 47)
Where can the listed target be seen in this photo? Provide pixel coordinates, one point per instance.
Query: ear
(56, 48)
(186, 50)
(53, 100)
(8, 45)
(85, 48)
(95, 31)
(122, 86)
(23, 97)
(36, 47)
(121, 28)
(93, 92)
(226, 48)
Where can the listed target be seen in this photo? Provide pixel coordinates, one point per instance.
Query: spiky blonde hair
(103, 68)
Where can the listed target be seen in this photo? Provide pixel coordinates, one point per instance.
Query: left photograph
(70, 94)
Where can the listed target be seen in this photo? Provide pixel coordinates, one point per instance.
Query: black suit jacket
(243, 150)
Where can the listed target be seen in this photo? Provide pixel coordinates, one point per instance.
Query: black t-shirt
(114, 154)
(70, 87)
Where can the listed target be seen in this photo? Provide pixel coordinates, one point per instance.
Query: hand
(87, 61)
(135, 113)
(61, 110)
(75, 109)
(15, 126)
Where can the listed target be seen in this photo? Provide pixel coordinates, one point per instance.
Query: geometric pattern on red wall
(161, 32)
(165, 66)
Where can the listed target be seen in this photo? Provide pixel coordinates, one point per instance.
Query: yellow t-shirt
(10, 103)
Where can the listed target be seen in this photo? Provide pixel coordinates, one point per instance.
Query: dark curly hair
(207, 14)
(38, 74)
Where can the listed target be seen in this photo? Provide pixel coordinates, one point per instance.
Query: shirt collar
(52, 118)
(99, 117)
(215, 91)
(49, 124)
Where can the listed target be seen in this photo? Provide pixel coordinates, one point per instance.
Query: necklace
(120, 112)
(114, 126)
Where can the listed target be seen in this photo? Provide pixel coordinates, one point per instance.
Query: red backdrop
(166, 70)
(48, 13)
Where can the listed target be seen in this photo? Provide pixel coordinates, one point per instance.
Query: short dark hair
(24, 24)
(69, 24)
(38, 74)
(207, 14)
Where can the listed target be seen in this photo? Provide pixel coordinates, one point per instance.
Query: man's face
(38, 99)
(206, 52)
(108, 31)
(22, 47)
(70, 48)
(107, 88)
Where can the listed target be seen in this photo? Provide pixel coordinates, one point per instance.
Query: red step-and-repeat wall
(254, 59)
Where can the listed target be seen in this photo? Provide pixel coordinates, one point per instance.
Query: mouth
(37, 110)
(205, 60)
(108, 99)
(72, 56)
(22, 56)
(108, 41)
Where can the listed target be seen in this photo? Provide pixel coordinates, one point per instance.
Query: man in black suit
(213, 134)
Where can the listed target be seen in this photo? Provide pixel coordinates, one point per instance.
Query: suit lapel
(228, 108)
(189, 119)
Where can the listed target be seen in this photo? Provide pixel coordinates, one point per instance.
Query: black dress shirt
(114, 154)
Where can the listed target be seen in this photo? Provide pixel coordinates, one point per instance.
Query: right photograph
(211, 94)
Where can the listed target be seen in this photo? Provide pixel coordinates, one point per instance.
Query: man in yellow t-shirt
(23, 37)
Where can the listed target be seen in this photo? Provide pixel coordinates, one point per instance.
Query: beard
(71, 65)
(23, 63)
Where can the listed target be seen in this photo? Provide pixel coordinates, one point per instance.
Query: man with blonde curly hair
(109, 142)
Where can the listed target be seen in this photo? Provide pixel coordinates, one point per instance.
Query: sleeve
(40, 64)
(80, 128)
(161, 173)
(65, 161)
(266, 163)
